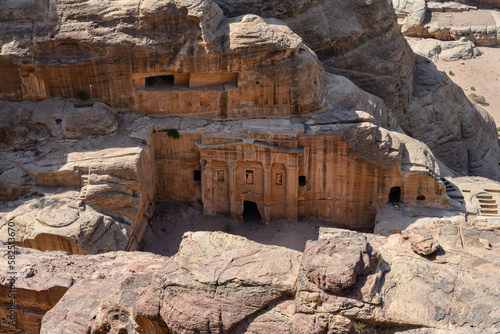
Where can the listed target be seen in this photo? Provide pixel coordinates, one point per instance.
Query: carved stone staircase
(85, 181)
(453, 192)
(488, 205)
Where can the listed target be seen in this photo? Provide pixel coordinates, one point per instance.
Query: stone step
(489, 212)
(487, 201)
(480, 197)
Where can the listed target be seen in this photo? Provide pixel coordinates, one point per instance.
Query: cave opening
(395, 195)
(251, 212)
(160, 82)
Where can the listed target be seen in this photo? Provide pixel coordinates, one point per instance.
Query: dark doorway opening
(251, 212)
(395, 195)
(302, 181)
(160, 82)
(197, 175)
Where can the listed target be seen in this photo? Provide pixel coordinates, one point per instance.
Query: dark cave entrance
(251, 212)
(160, 82)
(395, 195)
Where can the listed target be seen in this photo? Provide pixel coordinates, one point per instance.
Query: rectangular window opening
(160, 82)
(197, 175)
(278, 180)
(249, 177)
(302, 181)
(220, 175)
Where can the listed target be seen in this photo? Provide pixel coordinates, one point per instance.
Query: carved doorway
(251, 212)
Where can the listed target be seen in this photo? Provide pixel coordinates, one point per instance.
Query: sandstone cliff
(109, 107)
(361, 41)
(356, 39)
(172, 57)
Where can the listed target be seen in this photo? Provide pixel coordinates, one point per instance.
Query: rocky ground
(164, 232)
(479, 75)
(435, 279)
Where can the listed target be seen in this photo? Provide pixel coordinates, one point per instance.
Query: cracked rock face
(459, 133)
(220, 283)
(357, 39)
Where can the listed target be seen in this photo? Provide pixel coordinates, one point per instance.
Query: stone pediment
(241, 144)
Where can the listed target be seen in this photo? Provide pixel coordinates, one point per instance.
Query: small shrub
(477, 98)
(173, 133)
(82, 95)
(359, 327)
(473, 88)
(451, 73)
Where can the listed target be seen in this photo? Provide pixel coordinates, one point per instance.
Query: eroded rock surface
(43, 278)
(212, 284)
(358, 39)
(448, 51)
(459, 133)
(83, 187)
(172, 57)
(221, 283)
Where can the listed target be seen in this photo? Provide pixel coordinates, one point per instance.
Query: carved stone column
(231, 178)
(206, 188)
(292, 188)
(266, 217)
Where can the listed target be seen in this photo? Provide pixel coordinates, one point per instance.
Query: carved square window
(220, 175)
(278, 179)
(249, 177)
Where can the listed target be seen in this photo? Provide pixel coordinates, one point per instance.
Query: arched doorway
(251, 212)
(395, 195)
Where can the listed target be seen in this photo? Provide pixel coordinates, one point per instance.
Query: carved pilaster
(207, 188)
(292, 186)
(231, 178)
(266, 217)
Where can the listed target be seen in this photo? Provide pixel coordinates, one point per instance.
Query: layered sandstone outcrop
(42, 279)
(423, 19)
(357, 39)
(76, 184)
(369, 50)
(172, 58)
(343, 281)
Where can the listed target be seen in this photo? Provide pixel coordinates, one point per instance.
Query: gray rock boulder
(448, 51)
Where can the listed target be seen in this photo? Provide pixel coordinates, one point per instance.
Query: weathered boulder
(42, 279)
(211, 285)
(449, 51)
(422, 242)
(411, 15)
(26, 124)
